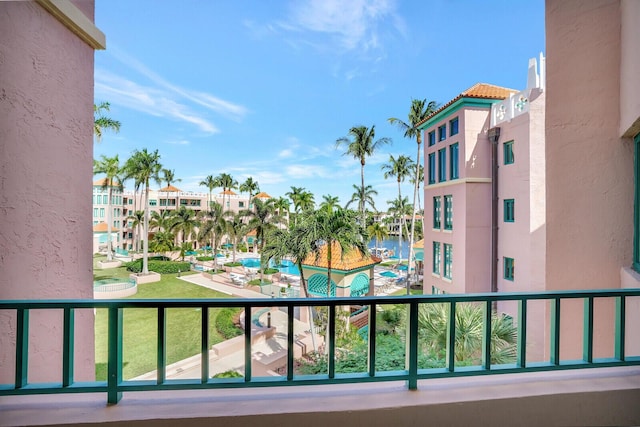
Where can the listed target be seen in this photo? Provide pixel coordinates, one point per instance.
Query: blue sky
(264, 88)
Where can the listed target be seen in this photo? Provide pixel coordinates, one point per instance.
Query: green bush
(204, 258)
(270, 270)
(232, 264)
(225, 325)
(162, 267)
(228, 374)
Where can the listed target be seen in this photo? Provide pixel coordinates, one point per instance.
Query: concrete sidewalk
(222, 283)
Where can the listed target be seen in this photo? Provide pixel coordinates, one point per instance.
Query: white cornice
(72, 18)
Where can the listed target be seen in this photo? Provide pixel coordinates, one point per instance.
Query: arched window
(318, 285)
(359, 285)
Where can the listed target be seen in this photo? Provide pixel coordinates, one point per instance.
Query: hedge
(233, 264)
(225, 325)
(204, 258)
(162, 267)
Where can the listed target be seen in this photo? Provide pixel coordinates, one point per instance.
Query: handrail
(116, 385)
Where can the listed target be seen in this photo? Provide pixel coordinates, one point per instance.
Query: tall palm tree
(137, 218)
(110, 167)
(145, 166)
(400, 208)
(212, 225)
(169, 176)
(338, 228)
(282, 205)
(227, 182)
(210, 183)
(400, 168)
(361, 146)
(420, 109)
(377, 231)
(363, 196)
(236, 229)
(420, 179)
(162, 242)
(184, 222)
(306, 201)
(262, 218)
(102, 122)
(329, 202)
(160, 220)
(250, 186)
(294, 195)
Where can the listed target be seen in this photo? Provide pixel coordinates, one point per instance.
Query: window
(101, 212)
(442, 133)
(130, 235)
(509, 265)
(130, 201)
(448, 260)
(453, 127)
(508, 153)
(436, 258)
(104, 199)
(94, 199)
(442, 165)
(95, 212)
(163, 202)
(241, 204)
(453, 161)
(437, 209)
(432, 168)
(448, 212)
(153, 202)
(509, 213)
(431, 138)
(636, 213)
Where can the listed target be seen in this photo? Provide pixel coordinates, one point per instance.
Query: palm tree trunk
(362, 213)
(413, 217)
(145, 245)
(109, 224)
(401, 224)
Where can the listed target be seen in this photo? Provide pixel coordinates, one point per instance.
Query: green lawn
(140, 325)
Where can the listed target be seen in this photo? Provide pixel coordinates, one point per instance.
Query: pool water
(285, 266)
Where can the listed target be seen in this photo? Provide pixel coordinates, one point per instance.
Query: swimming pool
(286, 266)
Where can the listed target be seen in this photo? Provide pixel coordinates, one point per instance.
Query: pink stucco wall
(589, 168)
(629, 68)
(46, 149)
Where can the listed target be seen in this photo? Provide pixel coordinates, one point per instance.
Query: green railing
(116, 385)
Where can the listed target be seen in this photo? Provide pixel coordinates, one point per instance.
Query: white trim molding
(72, 18)
(459, 181)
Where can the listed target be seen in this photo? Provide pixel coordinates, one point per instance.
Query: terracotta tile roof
(102, 228)
(170, 189)
(478, 90)
(252, 233)
(352, 259)
(262, 195)
(419, 244)
(101, 182)
(229, 192)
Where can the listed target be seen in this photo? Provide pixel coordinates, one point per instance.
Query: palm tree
(236, 229)
(399, 168)
(227, 182)
(145, 166)
(184, 221)
(211, 183)
(306, 201)
(137, 218)
(162, 242)
(102, 122)
(329, 202)
(169, 177)
(262, 218)
(418, 112)
(377, 231)
(212, 225)
(294, 195)
(420, 179)
(363, 196)
(338, 228)
(400, 207)
(360, 147)
(110, 167)
(433, 319)
(250, 186)
(282, 205)
(161, 220)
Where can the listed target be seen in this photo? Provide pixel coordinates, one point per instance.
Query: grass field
(140, 325)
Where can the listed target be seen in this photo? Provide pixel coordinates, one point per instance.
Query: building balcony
(600, 387)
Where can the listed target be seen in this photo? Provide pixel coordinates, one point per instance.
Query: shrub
(225, 325)
(228, 374)
(270, 270)
(232, 264)
(204, 258)
(162, 267)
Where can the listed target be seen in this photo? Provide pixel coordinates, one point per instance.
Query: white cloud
(353, 25)
(179, 142)
(149, 100)
(306, 171)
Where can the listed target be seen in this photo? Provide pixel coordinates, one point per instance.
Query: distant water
(392, 243)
